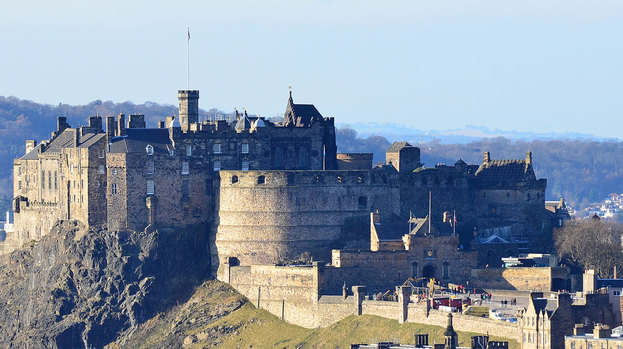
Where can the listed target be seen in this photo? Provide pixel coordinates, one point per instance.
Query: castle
(269, 192)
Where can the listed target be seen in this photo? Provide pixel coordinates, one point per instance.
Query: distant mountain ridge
(401, 132)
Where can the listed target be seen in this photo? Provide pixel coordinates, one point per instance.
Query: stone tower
(403, 156)
(189, 108)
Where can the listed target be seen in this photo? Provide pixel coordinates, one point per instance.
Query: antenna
(188, 58)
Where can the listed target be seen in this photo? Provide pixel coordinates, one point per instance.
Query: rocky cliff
(82, 288)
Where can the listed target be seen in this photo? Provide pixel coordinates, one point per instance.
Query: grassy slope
(249, 327)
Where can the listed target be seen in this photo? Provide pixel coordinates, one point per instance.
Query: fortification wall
(267, 217)
(34, 220)
(290, 293)
(518, 278)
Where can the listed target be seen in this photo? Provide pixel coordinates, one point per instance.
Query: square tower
(189, 108)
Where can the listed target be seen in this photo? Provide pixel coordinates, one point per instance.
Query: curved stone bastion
(270, 217)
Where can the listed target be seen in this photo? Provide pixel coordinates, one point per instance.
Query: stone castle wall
(519, 278)
(269, 217)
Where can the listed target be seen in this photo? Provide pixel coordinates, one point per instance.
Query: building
(546, 321)
(599, 338)
(266, 192)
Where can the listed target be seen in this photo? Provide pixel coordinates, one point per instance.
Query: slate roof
(391, 231)
(64, 140)
(505, 171)
(243, 124)
(549, 305)
(33, 154)
(396, 146)
(137, 139)
(609, 283)
(300, 114)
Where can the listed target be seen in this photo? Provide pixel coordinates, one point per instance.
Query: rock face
(80, 288)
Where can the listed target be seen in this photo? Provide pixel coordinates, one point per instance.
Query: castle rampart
(287, 213)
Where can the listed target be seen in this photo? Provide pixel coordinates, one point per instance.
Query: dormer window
(150, 149)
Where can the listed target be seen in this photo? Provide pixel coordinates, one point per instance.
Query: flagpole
(187, 58)
(430, 203)
(454, 223)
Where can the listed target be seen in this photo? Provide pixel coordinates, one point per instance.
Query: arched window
(234, 179)
(149, 149)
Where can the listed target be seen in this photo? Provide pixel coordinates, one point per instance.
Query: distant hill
(579, 167)
(580, 170)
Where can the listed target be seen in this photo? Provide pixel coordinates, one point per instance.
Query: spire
(450, 336)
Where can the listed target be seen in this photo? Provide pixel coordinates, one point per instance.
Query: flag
(188, 31)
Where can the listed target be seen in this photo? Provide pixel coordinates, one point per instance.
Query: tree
(592, 243)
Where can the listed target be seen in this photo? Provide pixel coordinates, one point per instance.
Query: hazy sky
(514, 65)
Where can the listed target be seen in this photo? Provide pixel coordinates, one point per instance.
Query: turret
(189, 108)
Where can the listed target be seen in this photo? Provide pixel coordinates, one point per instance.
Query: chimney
(61, 124)
(30, 145)
(589, 281)
(160, 124)
(136, 121)
(528, 158)
(111, 126)
(601, 331)
(95, 122)
(578, 330)
(170, 121)
(487, 157)
(121, 125)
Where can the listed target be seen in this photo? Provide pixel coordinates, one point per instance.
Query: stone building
(267, 192)
(599, 338)
(546, 321)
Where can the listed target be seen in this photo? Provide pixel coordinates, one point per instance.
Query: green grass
(260, 329)
(249, 327)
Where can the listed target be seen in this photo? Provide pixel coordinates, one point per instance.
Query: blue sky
(525, 65)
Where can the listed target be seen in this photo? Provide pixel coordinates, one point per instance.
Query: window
(363, 202)
(185, 168)
(261, 180)
(149, 167)
(359, 179)
(55, 180)
(171, 152)
(82, 184)
(113, 188)
(339, 179)
(71, 168)
(245, 165)
(43, 179)
(114, 171)
(234, 179)
(79, 168)
(245, 148)
(150, 187)
(217, 165)
(189, 150)
(19, 185)
(102, 169)
(149, 149)
(101, 154)
(216, 148)
(19, 170)
(49, 179)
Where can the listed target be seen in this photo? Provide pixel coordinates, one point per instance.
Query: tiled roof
(396, 146)
(505, 171)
